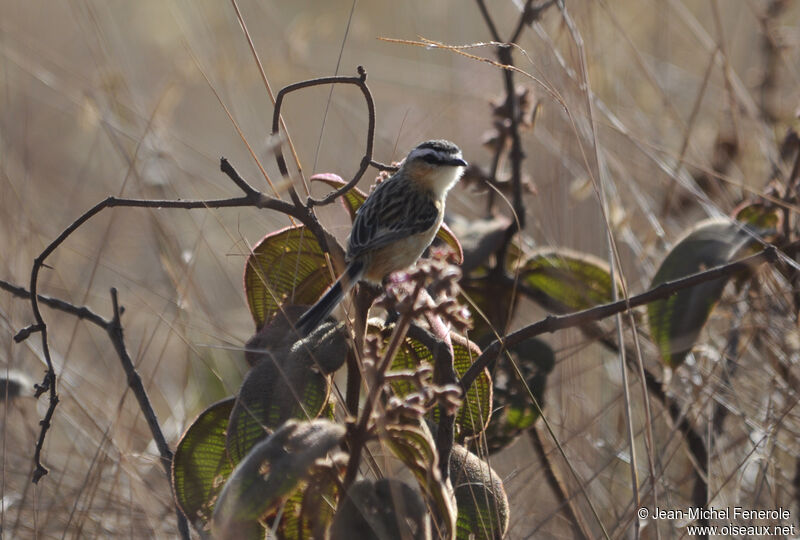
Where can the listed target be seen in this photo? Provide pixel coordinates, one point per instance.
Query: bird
(395, 224)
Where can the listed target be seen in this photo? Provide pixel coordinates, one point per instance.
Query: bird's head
(436, 165)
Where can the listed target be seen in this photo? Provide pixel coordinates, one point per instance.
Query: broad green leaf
(765, 219)
(354, 198)
(481, 498)
(287, 266)
(410, 356)
(382, 509)
(288, 380)
(514, 412)
(563, 280)
(676, 322)
(201, 465)
(269, 473)
(414, 446)
(309, 511)
(474, 414)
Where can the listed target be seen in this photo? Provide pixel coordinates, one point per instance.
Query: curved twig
(366, 161)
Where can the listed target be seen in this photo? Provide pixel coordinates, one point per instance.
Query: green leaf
(474, 414)
(410, 355)
(287, 266)
(289, 380)
(563, 280)
(201, 465)
(382, 509)
(414, 446)
(766, 219)
(309, 511)
(269, 473)
(483, 510)
(354, 198)
(514, 412)
(676, 322)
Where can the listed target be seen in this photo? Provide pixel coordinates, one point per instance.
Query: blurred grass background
(118, 98)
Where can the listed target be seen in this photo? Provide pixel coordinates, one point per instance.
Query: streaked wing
(393, 211)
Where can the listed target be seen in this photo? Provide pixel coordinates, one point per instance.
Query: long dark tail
(319, 311)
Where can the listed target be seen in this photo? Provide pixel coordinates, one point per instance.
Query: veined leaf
(474, 414)
(446, 235)
(483, 510)
(765, 219)
(354, 197)
(676, 322)
(309, 511)
(495, 300)
(563, 280)
(289, 380)
(287, 266)
(479, 238)
(514, 412)
(201, 465)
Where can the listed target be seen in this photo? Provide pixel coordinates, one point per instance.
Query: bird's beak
(458, 162)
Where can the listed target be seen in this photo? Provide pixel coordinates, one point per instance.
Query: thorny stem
(252, 198)
(115, 332)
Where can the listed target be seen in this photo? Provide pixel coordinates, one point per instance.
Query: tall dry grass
(102, 98)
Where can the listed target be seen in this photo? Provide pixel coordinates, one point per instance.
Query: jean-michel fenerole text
(734, 513)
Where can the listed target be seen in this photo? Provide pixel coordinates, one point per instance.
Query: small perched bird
(396, 223)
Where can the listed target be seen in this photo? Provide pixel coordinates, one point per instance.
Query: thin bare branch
(551, 323)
